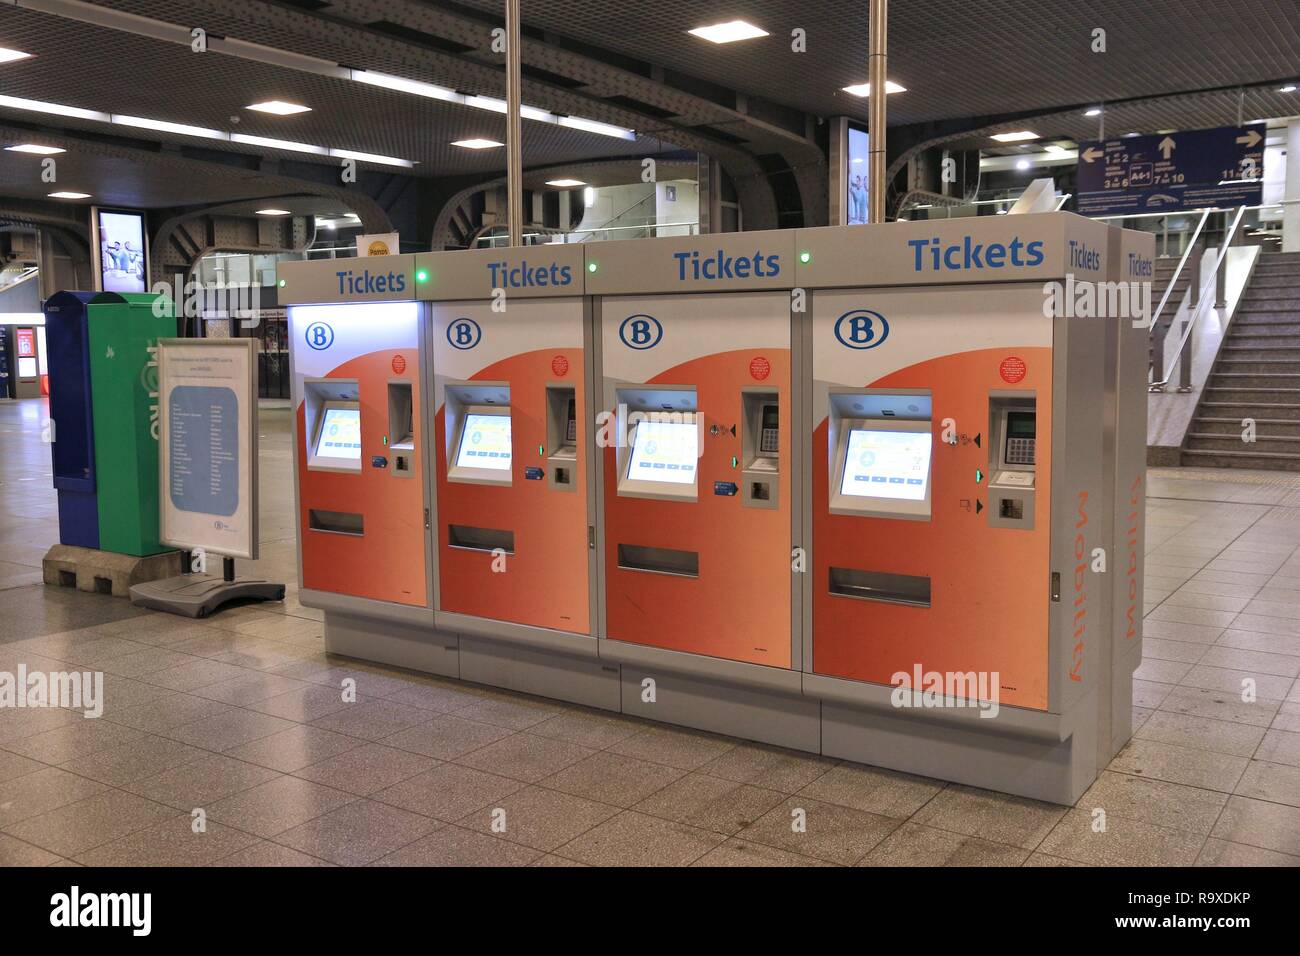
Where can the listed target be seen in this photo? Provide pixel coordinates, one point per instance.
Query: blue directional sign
(1169, 172)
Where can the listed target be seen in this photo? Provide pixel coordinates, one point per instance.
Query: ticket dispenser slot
(401, 434)
(561, 437)
(480, 449)
(1013, 457)
(332, 424)
(760, 448)
(661, 435)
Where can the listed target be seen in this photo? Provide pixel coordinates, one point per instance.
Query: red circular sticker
(760, 368)
(399, 364)
(560, 366)
(1012, 369)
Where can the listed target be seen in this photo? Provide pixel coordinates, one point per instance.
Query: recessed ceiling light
(1022, 164)
(278, 144)
(69, 195)
(274, 212)
(565, 182)
(1289, 88)
(864, 89)
(35, 149)
(54, 109)
(371, 158)
(279, 108)
(1054, 150)
(399, 84)
(1016, 137)
(8, 56)
(1095, 111)
(728, 32)
(477, 143)
(162, 126)
(1131, 135)
(595, 126)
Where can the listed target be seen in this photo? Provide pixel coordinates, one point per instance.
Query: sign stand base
(199, 595)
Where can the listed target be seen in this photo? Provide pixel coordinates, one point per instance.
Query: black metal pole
(228, 569)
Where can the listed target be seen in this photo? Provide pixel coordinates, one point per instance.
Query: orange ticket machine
(956, 578)
(698, 484)
(513, 523)
(356, 357)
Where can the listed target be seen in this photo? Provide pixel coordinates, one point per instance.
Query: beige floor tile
(136, 760)
(634, 839)
(683, 749)
(1274, 782)
(448, 792)
(373, 719)
(1123, 842)
(710, 803)
(265, 853)
(12, 766)
(998, 817)
(773, 768)
(367, 769)
(1218, 852)
(446, 737)
(455, 846)
(826, 831)
(358, 833)
(525, 756)
(916, 845)
(277, 805)
(227, 730)
(513, 712)
(170, 842)
(612, 778)
(1258, 823)
(1280, 746)
(200, 782)
(1158, 648)
(1154, 801)
(303, 704)
(1201, 733)
(14, 852)
(173, 710)
(76, 827)
(42, 791)
(741, 853)
(1216, 705)
(1175, 764)
(1244, 684)
(295, 748)
(588, 728)
(888, 793)
(539, 818)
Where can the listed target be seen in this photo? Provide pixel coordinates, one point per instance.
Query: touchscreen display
(664, 451)
(887, 464)
(340, 434)
(485, 442)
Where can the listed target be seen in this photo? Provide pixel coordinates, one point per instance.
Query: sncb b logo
(861, 329)
(641, 331)
(464, 334)
(319, 336)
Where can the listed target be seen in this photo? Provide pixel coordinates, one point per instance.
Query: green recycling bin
(124, 329)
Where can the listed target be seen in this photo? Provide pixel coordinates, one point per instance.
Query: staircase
(1165, 267)
(1257, 375)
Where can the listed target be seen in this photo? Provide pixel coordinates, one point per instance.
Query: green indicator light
(734, 461)
(591, 267)
(805, 257)
(541, 450)
(385, 441)
(422, 275)
(281, 283)
(979, 476)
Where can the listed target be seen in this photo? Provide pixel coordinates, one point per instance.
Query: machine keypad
(771, 441)
(1020, 451)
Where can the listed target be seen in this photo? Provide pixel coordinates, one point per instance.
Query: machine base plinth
(105, 572)
(199, 595)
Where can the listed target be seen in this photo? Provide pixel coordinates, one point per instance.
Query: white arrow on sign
(1091, 154)
(1250, 139)
(1166, 146)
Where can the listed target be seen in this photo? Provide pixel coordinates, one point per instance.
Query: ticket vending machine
(1131, 258)
(360, 446)
(696, 383)
(513, 523)
(956, 498)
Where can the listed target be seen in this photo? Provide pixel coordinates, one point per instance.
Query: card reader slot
(480, 539)
(335, 522)
(879, 586)
(635, 557)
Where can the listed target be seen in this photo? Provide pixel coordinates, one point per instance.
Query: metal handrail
(639, 202)
(1206, 298)
(1173, 281)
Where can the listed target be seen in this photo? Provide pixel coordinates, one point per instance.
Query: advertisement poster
(208, 444)
(122, 266)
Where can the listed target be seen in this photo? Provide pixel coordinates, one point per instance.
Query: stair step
(1270, 381)
(1232, 444)
(1255, 339)
(1268, 366)
(1259, 352)
(1254, 460)
(1249, 395)
(1214, 425)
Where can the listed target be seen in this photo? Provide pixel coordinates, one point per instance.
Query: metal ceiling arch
(71, 233)
(443, 237)
(397, 47)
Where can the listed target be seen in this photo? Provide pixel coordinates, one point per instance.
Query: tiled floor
(242, 718)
